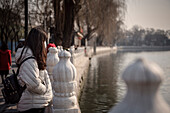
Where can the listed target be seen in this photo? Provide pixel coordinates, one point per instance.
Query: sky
(148, 14)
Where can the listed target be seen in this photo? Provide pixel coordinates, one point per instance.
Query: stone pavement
(7, 108)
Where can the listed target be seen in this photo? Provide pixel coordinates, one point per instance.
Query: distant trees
(11, 12)
(98, 17)
(41, 13)
(158, 38)
(102, 18)
(138, 36)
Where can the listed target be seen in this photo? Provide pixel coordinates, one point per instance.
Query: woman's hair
(35, 41)
(4, 46)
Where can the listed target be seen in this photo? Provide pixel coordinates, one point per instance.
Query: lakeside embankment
(143, 48)
(81, 61)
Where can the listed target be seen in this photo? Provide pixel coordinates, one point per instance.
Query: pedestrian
(5, 61)
(38, 93)
(21, 43)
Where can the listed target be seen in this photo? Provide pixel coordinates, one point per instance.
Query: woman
(5, 61)
(33, 74)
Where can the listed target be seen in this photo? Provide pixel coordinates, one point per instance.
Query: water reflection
(100, 92)
(104, 86)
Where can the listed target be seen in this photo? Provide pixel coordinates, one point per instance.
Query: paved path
(7, 108)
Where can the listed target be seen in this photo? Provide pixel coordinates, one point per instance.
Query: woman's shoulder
(23, 53)
(25, 50)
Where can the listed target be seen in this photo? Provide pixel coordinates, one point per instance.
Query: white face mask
(45, 45)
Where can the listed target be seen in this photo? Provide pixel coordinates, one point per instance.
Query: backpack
(12, 90)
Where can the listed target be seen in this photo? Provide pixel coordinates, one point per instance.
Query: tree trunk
(58, 23)
(6, 38)
(64, 20)
(69, 23)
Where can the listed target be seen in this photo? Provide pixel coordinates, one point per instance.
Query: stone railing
(65, 85)
(81, 62)
(68, 78)
(52, 60)
(143, 79)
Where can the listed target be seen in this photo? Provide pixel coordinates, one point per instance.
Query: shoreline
(143, 48)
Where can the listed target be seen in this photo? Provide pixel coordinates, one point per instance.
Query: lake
(104, 87)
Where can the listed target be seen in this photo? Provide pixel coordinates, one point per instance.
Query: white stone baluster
(64, 86)
(52, 60)
(60, 48)
(72, 54)
(143, 79)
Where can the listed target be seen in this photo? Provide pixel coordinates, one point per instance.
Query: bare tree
(41, 13)
(10, 21)
(65, 13)
(59, 20)
(102, 17)
(96, 16)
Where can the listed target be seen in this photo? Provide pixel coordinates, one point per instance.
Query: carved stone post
(64, 86)
(60, 48)
(72, 54)
(143, 79)
(52, 60)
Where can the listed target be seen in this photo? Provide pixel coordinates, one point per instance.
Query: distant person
(21, 43)
(38, 93)
(51, 44)
(5, 61)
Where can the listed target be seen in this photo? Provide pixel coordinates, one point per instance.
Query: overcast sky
(148, 14)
